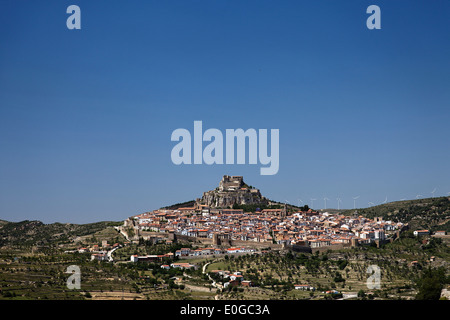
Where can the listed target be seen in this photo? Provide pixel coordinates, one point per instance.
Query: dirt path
(115, 295)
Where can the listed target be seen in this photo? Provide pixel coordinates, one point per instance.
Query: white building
(379, 234)
(421, 232)
(101, 256)
(304, 287)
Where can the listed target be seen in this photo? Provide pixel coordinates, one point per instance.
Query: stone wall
(231, 243)
(332, 247)
(297, 248)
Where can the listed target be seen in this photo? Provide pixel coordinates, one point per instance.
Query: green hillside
(29, 233)
(430, 213)
(190, 203)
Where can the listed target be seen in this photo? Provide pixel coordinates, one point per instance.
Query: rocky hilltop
(232, 190)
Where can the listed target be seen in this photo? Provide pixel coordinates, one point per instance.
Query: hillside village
(310, 228)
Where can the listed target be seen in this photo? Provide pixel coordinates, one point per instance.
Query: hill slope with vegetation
(430, 213)
(29, 233)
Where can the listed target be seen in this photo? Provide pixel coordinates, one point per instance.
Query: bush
(338, 278)
(342, 264)
(361, 294)
(431, 283)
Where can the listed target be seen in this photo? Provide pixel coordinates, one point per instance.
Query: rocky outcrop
(232, 190)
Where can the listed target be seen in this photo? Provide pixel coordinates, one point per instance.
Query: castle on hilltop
(231, 183)
(232, 190)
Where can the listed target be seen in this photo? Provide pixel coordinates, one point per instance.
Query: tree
(338, 278)
(431, 284)
(361, 294)
(342, 264)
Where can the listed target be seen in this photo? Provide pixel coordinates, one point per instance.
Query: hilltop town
(233, 229)
(213, 220)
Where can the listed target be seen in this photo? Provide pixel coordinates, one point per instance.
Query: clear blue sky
(86, 115)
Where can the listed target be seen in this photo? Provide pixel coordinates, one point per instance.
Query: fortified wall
(229, 243)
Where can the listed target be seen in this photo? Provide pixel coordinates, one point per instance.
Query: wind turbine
(354, 201)
(299, 200)
(312, 203)
(385, 200)
(418, 196)
(432, 192)
(325, 199)
(338, 200)
(371, 203)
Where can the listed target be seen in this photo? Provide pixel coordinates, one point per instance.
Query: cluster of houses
(304, 287)
(151, 257)
(180, 265)
(312, 228)
(237, 279)
(322, 229)
(234, 279)
(99, 253)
